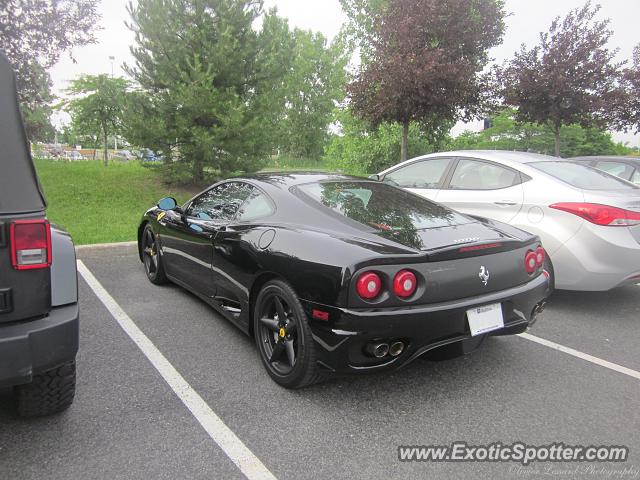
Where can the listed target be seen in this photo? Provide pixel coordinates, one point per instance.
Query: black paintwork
(320, 253)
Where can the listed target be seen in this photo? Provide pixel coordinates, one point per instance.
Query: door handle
(505, 203)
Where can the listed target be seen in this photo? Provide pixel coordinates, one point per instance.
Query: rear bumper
(340, 341)
(32, 347)
(597, 259)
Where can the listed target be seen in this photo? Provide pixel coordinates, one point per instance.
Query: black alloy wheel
(151, 258)
(283, 336)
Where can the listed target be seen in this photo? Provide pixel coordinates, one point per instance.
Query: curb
(96, 246)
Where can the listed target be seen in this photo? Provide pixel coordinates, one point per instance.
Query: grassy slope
(101, 204)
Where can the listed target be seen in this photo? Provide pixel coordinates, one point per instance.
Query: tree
(629, 109)
(211, 83)
(312, 88)
(97, 107)
(33, 35)
(506, 133)
(37, 111)
(569, 78)
(425, 62)
(361, 150)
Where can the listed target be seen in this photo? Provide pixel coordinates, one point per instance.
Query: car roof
(506, 157)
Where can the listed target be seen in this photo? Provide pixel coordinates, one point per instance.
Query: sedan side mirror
(167, 203)
(375, 176)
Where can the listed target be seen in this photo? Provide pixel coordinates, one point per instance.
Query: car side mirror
(167, 203)
(375, 176)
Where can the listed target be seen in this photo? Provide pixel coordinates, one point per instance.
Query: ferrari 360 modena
(333, 274)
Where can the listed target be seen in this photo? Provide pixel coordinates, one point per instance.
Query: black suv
(38, 280)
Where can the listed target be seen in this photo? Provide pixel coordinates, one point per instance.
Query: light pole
(115, 137)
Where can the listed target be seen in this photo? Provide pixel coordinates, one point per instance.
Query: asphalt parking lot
(127, 422)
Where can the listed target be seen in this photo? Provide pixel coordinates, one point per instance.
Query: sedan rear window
(581, 176)
(382, 206)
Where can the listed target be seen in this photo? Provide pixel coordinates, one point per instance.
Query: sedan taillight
(368, 285)
(600, 214)
(30, 244)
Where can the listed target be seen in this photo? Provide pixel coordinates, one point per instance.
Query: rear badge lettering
(484, 275)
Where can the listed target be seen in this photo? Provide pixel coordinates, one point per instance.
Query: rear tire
(294, 366)
(50, 392)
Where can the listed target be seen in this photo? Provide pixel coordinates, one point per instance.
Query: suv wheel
(50, 392)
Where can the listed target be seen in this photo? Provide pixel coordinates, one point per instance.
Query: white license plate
(485, 319)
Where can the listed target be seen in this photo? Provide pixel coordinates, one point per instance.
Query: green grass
(284, 162)
(97, 204)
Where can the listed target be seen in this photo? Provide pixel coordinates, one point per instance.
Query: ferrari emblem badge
(282, 332)
(484, 275)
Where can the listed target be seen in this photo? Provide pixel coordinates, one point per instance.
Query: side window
(221, 202)
(635, 178)
(477, 175)
(256, 206)
(421, 174)
(618, 169)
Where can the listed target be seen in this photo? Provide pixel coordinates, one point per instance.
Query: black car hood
(20, 190)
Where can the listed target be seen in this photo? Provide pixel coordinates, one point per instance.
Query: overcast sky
(527, 19)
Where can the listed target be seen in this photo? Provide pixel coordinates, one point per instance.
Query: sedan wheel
(283, 336)
(151, 258)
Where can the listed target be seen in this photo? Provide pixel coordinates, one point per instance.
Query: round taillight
(404, 284)
(530, 262)
(539, 256)
(368, 285)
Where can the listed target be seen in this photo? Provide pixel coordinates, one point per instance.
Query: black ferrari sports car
(337, 274)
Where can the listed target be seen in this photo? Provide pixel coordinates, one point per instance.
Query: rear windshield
(581, 176)
(382, 206)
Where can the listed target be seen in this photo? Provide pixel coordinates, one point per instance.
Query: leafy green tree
(506, 133)
(569, 78)
(96, 107)
(425, 61)
(629, 108)
(361, 150)
(33, 35)
(312, 88)
(211, 83)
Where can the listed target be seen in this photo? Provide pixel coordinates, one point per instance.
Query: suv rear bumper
(32, 347)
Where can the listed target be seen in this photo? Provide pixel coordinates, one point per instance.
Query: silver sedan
(588, 220)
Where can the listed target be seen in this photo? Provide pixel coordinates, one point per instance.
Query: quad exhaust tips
(382, 349)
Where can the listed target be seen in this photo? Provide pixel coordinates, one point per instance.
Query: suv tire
(49, 392)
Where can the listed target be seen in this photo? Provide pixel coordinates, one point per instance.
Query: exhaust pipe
(377, 349)
(396, 348)
(537, 310)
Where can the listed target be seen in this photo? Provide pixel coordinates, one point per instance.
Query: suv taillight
(600, 214)
(30, 242)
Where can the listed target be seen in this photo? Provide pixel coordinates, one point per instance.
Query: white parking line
(584, 356)
(231, 445)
